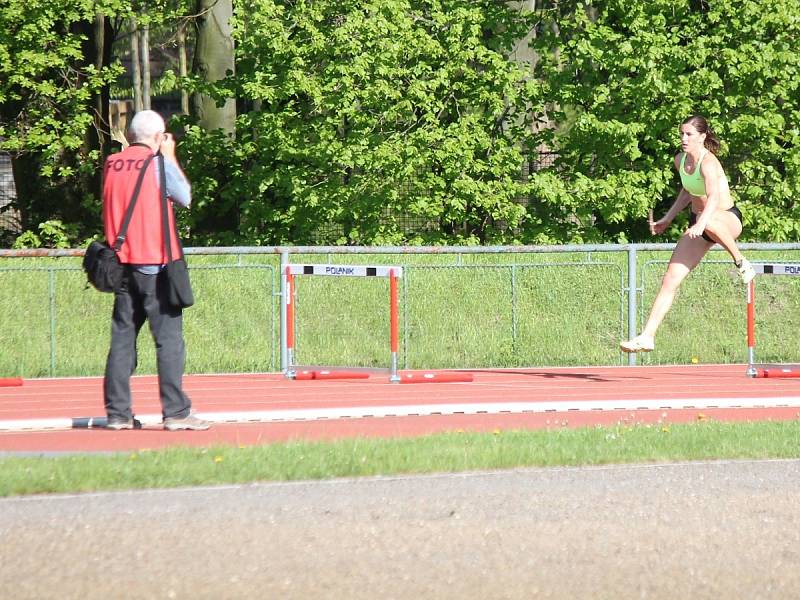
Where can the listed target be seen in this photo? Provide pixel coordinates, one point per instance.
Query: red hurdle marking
(777, 373)
(394, 325)
(341, 375)
(424, 377)
(290, 315)
(10, 381)
(444, 377)
(326, 374)
(303, 375)
(751, 319)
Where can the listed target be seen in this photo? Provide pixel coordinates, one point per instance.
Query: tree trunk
(145, 55)
(183, 69)
(103, 39)
(136, 67)
(96, 52)
(213, 60)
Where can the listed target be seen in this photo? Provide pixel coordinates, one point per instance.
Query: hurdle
(293, 371)
(763, 370)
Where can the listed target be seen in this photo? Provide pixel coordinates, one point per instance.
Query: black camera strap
(123, 231)
(165, 212)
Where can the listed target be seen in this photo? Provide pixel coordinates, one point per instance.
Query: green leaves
(621, 75)
(406, 121)
(378, 123)
(44, 83)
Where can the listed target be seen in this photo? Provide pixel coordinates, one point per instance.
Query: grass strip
(363, 457)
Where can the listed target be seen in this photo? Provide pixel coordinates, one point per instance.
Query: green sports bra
(694, 183)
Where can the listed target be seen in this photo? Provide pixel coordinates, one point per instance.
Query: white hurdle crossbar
(288, 274)
(764, 269)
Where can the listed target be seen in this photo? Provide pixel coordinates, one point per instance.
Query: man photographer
(143, 294)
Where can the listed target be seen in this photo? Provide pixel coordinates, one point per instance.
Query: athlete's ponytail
(701, 125)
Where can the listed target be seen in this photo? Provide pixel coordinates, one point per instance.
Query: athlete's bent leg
(687, 255)
(725, 228)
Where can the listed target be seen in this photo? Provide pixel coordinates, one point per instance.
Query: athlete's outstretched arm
(681, 202)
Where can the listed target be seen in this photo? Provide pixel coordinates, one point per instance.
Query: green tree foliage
(404, 121)
(621, 75)
(43, 95)
(51, 72)
(385, 122)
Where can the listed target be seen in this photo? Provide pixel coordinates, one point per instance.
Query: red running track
(257, 409)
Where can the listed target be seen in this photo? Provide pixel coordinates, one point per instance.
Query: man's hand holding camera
(167, 146)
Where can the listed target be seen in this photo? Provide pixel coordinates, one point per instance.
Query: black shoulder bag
(100, 261)
(176, 271)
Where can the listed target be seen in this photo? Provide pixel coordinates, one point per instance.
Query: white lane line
(360, 412)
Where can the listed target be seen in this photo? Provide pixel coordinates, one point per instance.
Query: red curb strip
(10, 381)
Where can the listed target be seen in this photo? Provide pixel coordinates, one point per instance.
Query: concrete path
(695, 530)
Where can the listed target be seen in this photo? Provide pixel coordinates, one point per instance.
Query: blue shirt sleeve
(179, 191)
(178, 188)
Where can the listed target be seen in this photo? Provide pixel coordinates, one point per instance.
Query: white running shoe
(746, 271)
(189, 422)
(641, 343)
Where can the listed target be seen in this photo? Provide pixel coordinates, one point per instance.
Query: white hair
(146, 124)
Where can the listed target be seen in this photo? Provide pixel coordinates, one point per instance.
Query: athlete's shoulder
(710, 164)
(677, 160)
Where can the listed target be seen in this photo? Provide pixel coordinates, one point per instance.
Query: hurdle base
(774, 371)
(312, 372)
(308, 375)
(436, 377)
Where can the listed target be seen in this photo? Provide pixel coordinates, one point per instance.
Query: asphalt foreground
(727, 529)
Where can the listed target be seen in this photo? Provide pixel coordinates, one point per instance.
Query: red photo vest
(144, 243)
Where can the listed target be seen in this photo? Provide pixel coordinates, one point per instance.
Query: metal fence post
(51, 279)
(632, 299)
(284, 352)
(514, 309)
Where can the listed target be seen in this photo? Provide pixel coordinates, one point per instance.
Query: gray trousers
(144, 297)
